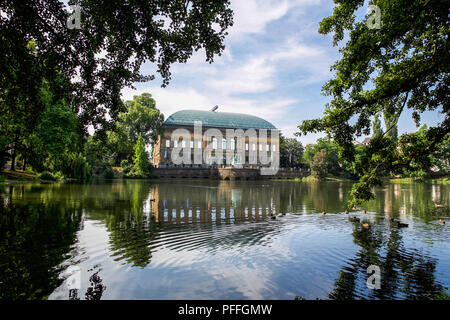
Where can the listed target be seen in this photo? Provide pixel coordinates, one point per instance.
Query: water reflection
(406, 272)
(34, 242)
(141, 231)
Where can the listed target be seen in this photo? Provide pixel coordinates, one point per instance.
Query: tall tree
(291, 152)
(377, 131)
(141, 161)
(142, 118)
(105, 54)
(319, 165)
(406, 60)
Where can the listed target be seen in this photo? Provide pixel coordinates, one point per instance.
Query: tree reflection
(405, 273)
(34, 240)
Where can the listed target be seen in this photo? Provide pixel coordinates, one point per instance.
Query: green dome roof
(217, 119)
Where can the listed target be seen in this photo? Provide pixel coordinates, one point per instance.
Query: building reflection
(224, 202)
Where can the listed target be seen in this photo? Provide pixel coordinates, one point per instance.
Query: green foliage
(48, 176)
(98, 154)
(440, 159)
(404, 64)
(106, 53)
(141, 119)
(62, 80)
(110, 148)
(55, 136)
(108, 173)
(2, 178)
(291, 152)
(443, 295)
(335, 164)
(319, 165)
(78, 167)
(142, 166)
(3, 150)
(376, 127)
(126, 166)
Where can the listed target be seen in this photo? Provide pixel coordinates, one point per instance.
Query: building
(204, 139)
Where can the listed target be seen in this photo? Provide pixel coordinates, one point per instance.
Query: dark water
(202, 239)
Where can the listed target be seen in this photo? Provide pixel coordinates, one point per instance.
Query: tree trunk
(13, 158)
(24, 164)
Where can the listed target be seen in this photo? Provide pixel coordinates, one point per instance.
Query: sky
(274, 65)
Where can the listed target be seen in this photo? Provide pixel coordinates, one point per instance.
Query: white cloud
(252, 16)
(263, 77)
(253, 76)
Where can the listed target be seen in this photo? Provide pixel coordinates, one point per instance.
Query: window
(167, 143)
(267, 147)
(246, 147)
(175, 143)
(254, 147)
(183, 144)
(232, 144)
(274, 148)
(214, 141)
(224, 144)
(199, 144)
(165, 153)
(260, 147)
(191, 144)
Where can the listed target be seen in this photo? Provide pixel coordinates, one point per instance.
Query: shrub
(126, 166)
(79, 168)
(108, 173)
(47, 176)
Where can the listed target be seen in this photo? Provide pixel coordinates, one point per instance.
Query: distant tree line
(324, 160)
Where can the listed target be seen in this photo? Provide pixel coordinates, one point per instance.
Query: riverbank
(443, 180)
(18, 175)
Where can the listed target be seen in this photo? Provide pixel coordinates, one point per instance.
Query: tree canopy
(105, 54)
(402, 65)
(291, 152)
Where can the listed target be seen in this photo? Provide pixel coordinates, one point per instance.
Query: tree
(55, 136)
(377, 131)
(142, 119)
(291, 152)
(319, 165)
(335, 164)
(106, 53)
(441, 158)
(141, 161)
(406, 62)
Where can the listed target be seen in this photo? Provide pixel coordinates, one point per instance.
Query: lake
(204, 239)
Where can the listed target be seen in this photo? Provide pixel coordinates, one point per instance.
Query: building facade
(205, 139)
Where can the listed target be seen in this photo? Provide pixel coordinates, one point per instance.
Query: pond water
(203, 239)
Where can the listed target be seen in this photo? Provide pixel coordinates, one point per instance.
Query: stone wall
(226, 173)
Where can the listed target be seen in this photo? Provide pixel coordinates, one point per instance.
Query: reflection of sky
(299, 254)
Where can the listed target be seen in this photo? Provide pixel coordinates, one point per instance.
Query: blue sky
(274, 66)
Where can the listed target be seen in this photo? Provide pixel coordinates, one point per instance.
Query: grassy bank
(314, 179)
(444, 180)
(18, 175)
